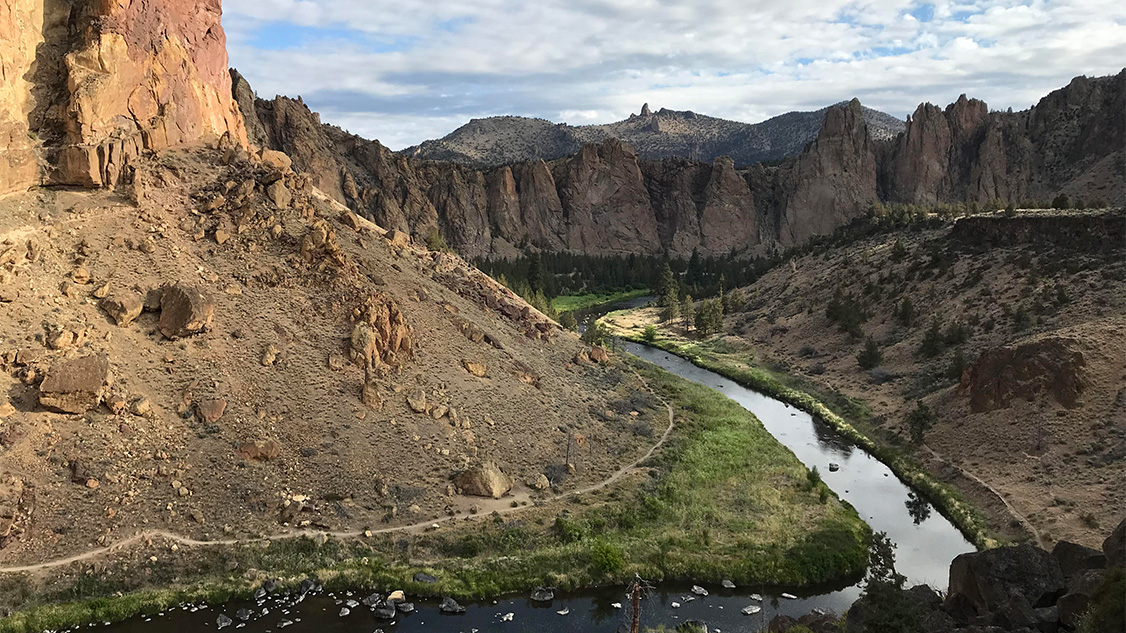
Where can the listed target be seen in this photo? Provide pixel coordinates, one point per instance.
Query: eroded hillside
(1035, 313)
(1008, 331)
(225, 351)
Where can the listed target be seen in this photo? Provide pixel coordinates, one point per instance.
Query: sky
(410, 70)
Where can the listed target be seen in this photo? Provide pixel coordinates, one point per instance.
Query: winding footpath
(505, 507)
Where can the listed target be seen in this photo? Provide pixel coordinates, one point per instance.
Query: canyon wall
(606, 199)
(85, 86)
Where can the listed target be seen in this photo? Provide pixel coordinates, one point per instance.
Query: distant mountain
(662, 134)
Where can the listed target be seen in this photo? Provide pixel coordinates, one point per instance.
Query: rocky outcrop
(832, 182)
(1070, 142)
(88, 86)
(606, 198)
(381, 336)
(1009, 589)
(1050, 365)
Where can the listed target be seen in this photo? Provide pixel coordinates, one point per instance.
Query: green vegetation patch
(567, 303)
(735, 360)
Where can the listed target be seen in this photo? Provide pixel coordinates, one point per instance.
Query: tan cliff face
(88, 86)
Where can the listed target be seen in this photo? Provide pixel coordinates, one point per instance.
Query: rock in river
(449, 605)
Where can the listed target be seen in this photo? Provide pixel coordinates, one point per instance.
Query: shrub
(919, 421)
(1021, 318)
(1061, 202)
(870, 356)
(846, 312)
(905, 313)
(607, 557)
(435, 241)
(598, 333)
(813, 477)
(650, 333)
(898, 250)
(932, 341)
(568, 530)
(956, 367)
(957, 333)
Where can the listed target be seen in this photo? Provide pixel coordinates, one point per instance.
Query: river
(925, 544)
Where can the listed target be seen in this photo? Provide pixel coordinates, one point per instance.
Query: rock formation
(1069, 142)
(88, 86)
(832, 182)
(606, 197)
(1045, 364)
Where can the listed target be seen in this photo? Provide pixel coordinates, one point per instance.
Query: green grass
(737, 362)
(568, 303)
(723, 499)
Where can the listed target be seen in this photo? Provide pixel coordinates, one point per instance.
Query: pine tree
(687, 311)
(919, 421)
(666, 285)
(870, 356)
(671, 309)
(932, 340)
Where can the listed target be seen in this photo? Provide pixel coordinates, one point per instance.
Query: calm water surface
(926, 543)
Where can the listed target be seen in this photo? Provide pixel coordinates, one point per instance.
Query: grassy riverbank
(721, 499)
(569, 303)
(738, 363)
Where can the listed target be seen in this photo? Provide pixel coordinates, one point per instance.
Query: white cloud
(409, 70)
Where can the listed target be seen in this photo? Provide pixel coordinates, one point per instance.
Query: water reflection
(918, 507)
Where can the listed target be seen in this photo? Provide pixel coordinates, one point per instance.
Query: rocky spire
(645, 110)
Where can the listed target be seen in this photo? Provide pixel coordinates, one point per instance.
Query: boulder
(124, 307)
(398, 239)
(74, 386)
(276, 163)
(185, 310)
(477, 369)
(993, 579)
(261, 450)
(598, 354)
(210, 411)
(1114, 547)
(484, 480)
(449, 605)
(279, 194)
(416, 400)
(1073, 558)
(1071, 608)
(539, 482)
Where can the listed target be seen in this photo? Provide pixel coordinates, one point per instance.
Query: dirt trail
(500, 506)
(1008, 506)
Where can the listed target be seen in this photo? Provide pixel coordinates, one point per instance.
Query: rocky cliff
(87, 86)
(608, 198)
(604, 199)
(1070, 142)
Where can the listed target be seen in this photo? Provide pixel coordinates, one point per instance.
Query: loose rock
(184, 311)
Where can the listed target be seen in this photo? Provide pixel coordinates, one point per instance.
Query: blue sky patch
(280, 36)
